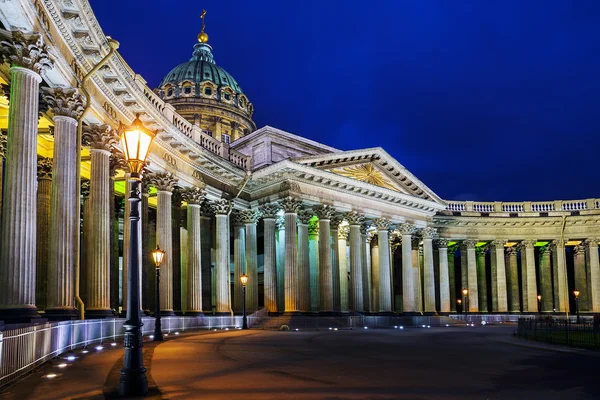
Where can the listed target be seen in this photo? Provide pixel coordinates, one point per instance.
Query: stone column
(408, 285)
(222, 208)
(86, 238)
(356, 281)
(365, 239)
(523, 253)
(335, 262)
(343, 232)
(206, 239)
(117, 162)
(325, 213)
(581, 278)
(560, 270)
(385, 274)
(44, 171)
(545, 279)
(269, 214)
(375, 273)
(481, 279)
(176, 275)
(148, 266)
(66, 105)
(165, 184)
(101, 139)
(531, 277)
(428, 272)
(592, 245)
(452, 276)
(512, 280)
(239, 258)
(442, 246)
(250, 218)
(417, 271)
(29, 57)
(194, 197)
(501, 275)
(304, 217)
(493, 294)
(313, 256)
(280, 262)
(290, 207)
(468, 252)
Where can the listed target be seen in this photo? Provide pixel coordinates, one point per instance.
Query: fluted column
(239, 258)
(176, 275)
(545, 278)
(481, 279)
(408, 286)
(313, 256)
(29, 57)
(222, 209)
(148, 266)
(100, 139)
(512, 280)
(428, 272)
(493, 294)
(385, 284)
(468, 252)
(581, 278)
(375, 273)
(501, 274)
(86, 239)
(290, 207)
(343, 232)
(194, 197)
(325, 213)
(250, 218)
(165, 184)
(44, 189)
(417, 271)
(356, 281)
(335, 262)
(365, 240)
(66, 105)
(451, 276)
(592, 246)
(523, 254)
(280, 262)
(532, 302)
(444, 273)
(117, 162)
(304, 217)
(269, 214)
(560, 271)
(206, 239)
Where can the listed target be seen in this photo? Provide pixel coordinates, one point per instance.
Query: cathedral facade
(316, 229)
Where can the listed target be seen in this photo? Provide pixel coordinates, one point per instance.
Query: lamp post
(539, 297)
(157, 256)
(244, 279)
(135, 140)
(466, 300)
(576, 293)
(459, 301)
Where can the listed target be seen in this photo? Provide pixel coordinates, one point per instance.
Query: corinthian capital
(85, 188)
(528, 243)
(222, 207)
(304, 216)
(270, 210)
(163, 181)
(117, 162)
(468, 244)
(2, 143)
(323, 211)
(99, 137)
(382, 224)
(442, 243)
(291, 205)
(249, 216)
(428, 233)
(499, 243)
(25, 50)
(343, 232)
(66, 102)
(206, 208)
(406, 229)
(354, 218)
(592, 242)
(192, 195)
(335, 221)
(44, 168)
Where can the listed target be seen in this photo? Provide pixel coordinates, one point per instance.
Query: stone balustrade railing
(524, 206)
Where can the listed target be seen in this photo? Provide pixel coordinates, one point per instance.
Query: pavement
(413, 363)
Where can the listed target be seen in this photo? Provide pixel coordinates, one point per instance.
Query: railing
(483, 207)
(238, 159)
(513, 207)
(23, 349)
(582, 334)
(523, 207)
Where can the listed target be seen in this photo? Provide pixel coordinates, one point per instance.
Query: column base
(99, 314)
(222, 314)
(167, 313)
(19, 315)
(194, 313)
(385, 314)
(292, 313)
(61, 314)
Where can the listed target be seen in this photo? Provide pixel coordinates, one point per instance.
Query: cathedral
(317, 230)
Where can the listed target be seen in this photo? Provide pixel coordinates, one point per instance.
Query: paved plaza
(413, 363)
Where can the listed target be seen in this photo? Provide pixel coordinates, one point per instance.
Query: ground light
(70, 358)
(157, 256)
(98, 348)
(244, 279)
(50, 376)
(62, 365)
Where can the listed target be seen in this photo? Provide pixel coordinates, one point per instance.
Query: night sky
(481, 100)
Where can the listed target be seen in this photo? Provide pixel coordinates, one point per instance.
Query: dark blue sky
(481, 100)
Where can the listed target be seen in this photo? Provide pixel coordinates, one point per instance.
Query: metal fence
(579, 334)
(23, 349)
(487, 318)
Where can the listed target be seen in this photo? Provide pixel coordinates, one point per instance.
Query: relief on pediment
(367, 173)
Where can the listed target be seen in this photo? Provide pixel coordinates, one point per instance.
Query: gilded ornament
(366, 173)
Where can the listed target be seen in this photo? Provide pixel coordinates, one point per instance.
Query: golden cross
(202, 18)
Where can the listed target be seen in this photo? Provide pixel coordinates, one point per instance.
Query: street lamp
(135, 140)
(244, 279)
(576, 293)
(459, 301)
(539, 297)
(466, 300)
(157, 256)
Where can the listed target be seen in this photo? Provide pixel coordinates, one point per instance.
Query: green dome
(200, 68)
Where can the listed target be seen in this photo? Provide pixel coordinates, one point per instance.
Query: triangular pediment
(373, 166)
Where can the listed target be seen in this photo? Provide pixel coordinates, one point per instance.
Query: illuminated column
(581, 278)
(335, 262)
(512, 279)
(343, 232)
(66, 105)
(545, 278)
(325, 213)
(408, 285)
(481, 279)
(44, 171)
(290, 208)
(117, 162)
(532, 303)
(375, 273)
(28, 56)
(177, 249)
(451, 276)
(313, 260)
(280, 262)
(206, 239)
(100, 139)
(468, 254)
(442, 247)
(304, 217)
(222, 208)
(365, 249)
(356, 281)
(560, 270)
(250, 218)
(194, 198)
(148, 267)
(428, 272)
(164, 183)
(239, 258)
(493, 294)
(385, 284)
(269, 214)
(592, 245)
(417, 273)
(501, 274)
